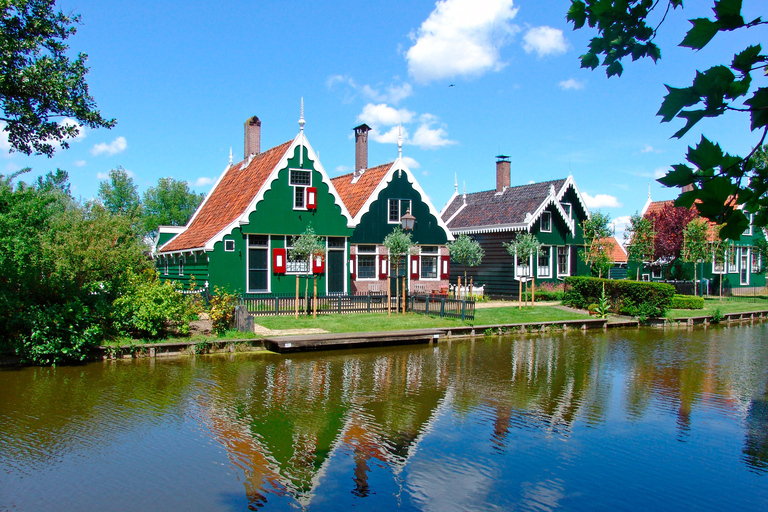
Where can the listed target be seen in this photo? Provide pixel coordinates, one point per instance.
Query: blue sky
(181, 78)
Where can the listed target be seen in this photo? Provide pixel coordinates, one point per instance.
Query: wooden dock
(284, 344)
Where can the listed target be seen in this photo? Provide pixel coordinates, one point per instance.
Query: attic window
(398, 208)
(229, 246)
(300, 180)
(546, 222)
(568, 207)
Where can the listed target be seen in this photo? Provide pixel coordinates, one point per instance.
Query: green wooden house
(239, 238)
(377, 198)
(552, 210)
(739, 271)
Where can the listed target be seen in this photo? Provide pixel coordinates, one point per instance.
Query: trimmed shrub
(625, 297)
(687, 302)
(544, 295)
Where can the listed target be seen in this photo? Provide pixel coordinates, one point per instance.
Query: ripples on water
(596, 421)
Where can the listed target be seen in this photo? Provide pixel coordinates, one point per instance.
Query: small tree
(466, 252)
(639, 237)
(399, 243)
(696, 246)
(305, 246)
(597, 248)
(524, 246)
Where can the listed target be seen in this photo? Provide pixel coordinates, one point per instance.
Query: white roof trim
(493, 228)
(450, 200)
(399, 165)
(464, 205)
(570, 182)
(552, 199)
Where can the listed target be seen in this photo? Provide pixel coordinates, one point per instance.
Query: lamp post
(407, 221)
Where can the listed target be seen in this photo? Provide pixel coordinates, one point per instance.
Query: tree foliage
(596, 233)
(640, 239)
(399, 243)
(119, 195)
(668, 225)
(466, 252)
(524, 246)
(725, 185)
(170, 203)
(38, 81)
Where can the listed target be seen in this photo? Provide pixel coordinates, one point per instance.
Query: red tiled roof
(490, 208)
(356, 194)
(618, 254)
(228, 200)
(656, 207)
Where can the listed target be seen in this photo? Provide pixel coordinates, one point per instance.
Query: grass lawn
(726, 306)
(381, 322)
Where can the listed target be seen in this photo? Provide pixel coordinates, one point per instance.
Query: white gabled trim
(493, 228)
(464, 205)
(552, 199)
(300, 140)
(450, 200)
(399, 165)
(570, 182)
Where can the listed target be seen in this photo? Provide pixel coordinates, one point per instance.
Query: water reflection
(535, 421)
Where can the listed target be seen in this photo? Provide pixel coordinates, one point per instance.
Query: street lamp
(407, 221)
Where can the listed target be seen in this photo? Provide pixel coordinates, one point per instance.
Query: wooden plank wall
(496, 271)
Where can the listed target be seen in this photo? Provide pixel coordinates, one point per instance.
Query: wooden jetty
(305, 342)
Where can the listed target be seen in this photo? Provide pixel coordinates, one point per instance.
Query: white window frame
(749, 231)
(548, 273)
(288, 244)
(567, 260)
(303, 188)
(436, 256)
(548, 216)
(229, 246)
(181, 264)
(166, 267)
(375, 255)
(646, 278)
(657, 272)
(721, 270)
(399, 210)
(755, 263)
(518, 268)
(744, 276)
(269, 263)
(568, 207)
(732, 268)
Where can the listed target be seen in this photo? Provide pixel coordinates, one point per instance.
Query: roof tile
(356, 194)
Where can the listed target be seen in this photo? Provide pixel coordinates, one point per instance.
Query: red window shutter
(383, 267)
(278, 261)
(312, 198)
(414, 267)
(445, 267)
(353, 267)
(318, 264)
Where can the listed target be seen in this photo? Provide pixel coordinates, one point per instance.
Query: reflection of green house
(740, 268)
(239, 238)
(552, 211)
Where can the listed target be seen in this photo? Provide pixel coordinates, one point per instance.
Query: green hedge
(636, 298)
(687, 302)
(544, 295)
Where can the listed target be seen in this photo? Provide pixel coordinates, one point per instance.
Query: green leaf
(589, 60)
(676, 100)
(577, 14)
(700, 34)
(692, 117)
(747, 58)
(734, 224)
(758, 106)
(614, 69)
(686, 199)
(681, 175)
(706, 155)
(728, 14)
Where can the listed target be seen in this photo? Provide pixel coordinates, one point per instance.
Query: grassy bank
(726, 306)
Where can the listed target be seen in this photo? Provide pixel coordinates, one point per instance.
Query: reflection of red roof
(356, 194)
(618, 254)
(234, 192)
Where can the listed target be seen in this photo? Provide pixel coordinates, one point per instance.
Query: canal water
(619, 420)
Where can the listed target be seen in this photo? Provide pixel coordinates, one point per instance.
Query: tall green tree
(524, 246)
(119, 195)
(400, 244)
(466, 252)
(724, 184)
(306, 246)
(597, 245)
(640, 240)
(39, 84)
(170, 203)
(696, 245)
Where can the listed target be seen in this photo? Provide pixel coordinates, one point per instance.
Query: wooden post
(458, 289)
(471, 286)
(520, 294)
(296, 306)
(314, 300)
(533, 291)
(404, 293)
(389, 296)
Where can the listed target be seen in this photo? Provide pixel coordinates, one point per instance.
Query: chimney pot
(503, 168)
(252, 137)
(361, 146)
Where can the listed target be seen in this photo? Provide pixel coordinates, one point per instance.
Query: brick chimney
(252, 137)
(502, 172)
(361, 146)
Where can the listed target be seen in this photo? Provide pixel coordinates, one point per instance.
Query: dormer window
(568, 207)
(397, 208)
(300, 180)
(546, 222)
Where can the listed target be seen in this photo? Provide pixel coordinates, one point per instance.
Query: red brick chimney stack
(502, 172)
(252, 137)
(361, 146)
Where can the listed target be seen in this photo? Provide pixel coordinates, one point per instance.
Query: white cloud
(412, 164)
(619, 225)
(430, 138)
(461, 38)
(571, 84)
(544, 41)
(600, 201)
(388, 137)
(203, 182)
(5, 146)
(384, 115)
(660, 172)
(343, 169)
(647, 149)
(79, 163)
(116, 146)
(393, 94)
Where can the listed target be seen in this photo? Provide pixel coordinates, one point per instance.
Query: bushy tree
(119, 195)
(669, 222)
(525, 245)
(722, 183)
(170, 203)
(38, 81)
(597, 233)
(306, 246)
(640, 239)
(466, 252)
(400, 244)
(696, 245)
